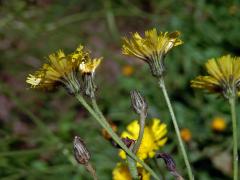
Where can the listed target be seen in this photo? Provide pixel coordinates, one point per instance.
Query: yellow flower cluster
(224, 76)
(121, 172)
(154, 137)
(62, 69)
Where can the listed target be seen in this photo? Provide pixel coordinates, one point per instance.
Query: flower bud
(170, 165)
(169, 162)
(81, 153)
(138, 102)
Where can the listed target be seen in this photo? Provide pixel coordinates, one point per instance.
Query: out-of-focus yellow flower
(186, 134)
(152, 48)
(154, 137)
(127, 70)
(224, 76)
(218, 124)
(121, 172)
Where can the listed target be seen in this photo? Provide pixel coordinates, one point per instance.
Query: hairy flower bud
(81, 153)
(138, 102)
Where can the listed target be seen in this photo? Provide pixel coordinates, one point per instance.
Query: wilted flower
(153, 138)
(218, 124)
(223, 78)
(121, 172)
(87, 68)
(152, 48)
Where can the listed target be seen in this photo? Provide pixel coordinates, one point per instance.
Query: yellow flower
(186, 134)
(154, 137)
(127, 70)
(218, 124)
(61, 69)
(152, 48)
(121, 172)
(224, 76)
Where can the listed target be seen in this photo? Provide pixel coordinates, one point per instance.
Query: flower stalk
(102, 121)
(180, 141)
(232, 102)
(132, 165)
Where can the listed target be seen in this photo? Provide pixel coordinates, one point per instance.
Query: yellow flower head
(63, 69)
(224, 76)
(218, 124)
(152, 48)
(154, 137)
(186, 134)
(121, 172)
(60, 69)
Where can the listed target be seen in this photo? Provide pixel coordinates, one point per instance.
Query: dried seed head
(138, 102)
(81, 153)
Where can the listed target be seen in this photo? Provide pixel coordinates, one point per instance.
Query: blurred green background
(35, 126)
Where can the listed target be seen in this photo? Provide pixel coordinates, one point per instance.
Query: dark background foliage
(35, 126)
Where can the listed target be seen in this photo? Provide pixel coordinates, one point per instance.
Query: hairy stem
(185, 157)
(91, 170)
(131, 163)
(141, 132)
(232, 102)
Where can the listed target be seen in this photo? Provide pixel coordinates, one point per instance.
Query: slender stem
(132, 166)
(141, 132)
(131, 163)
(164, 90)
(232, 102)
(104, 124)
(92, 171)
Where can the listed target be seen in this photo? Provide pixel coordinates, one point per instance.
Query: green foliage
(35, 125)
